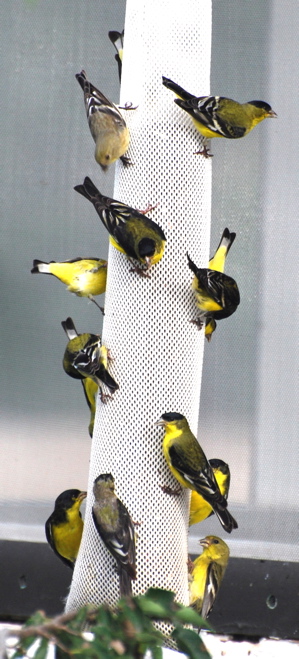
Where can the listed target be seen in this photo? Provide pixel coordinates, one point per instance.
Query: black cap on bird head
(66, 499)
(263, 106)
(172, 416)
(146, 247)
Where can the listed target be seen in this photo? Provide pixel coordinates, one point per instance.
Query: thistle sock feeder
(157, 351)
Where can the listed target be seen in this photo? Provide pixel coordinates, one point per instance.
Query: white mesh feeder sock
(157, 351)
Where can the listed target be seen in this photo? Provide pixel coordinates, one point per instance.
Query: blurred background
(249, 402)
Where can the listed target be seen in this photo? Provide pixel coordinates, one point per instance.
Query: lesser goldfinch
(189, 465)
(84, 277)
(91, 388)
(117, 38)
(84, 357)
(130, 231)
(116, 529)
(217, 295)
(200, 509)
(207, 574)
(217, 262)
(65, 526)
(108, 128)
(217, 116)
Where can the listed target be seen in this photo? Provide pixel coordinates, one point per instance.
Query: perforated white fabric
(157, 351)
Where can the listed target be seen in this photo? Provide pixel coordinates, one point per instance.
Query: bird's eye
(216, 542)
(107, 156)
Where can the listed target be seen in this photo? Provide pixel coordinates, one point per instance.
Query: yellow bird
(217, 262)
(207, 573)
(84, 357)
(117, 38)
(190, 467)
(65, 526)
(217, 295)
(115, 527)
(200, 509)
(218, 116)
(107, 126)
(131, 232)
(84, 277)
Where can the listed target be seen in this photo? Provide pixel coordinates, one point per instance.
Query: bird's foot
(128, 106)
(93, 300)
(140, 271)
(198, 322)
(148, 209)
(190, 565)
(126, 161)
(105, 397)
(109, 355)
(172, 491)
(204, 152)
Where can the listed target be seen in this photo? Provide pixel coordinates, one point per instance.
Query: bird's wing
(203, 481)
(211, 589)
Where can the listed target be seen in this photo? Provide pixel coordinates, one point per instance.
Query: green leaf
(156, 603)
(190, 643)
(157, 652)
(188, 616)
(42, 650)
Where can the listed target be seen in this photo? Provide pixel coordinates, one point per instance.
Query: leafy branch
(127, 631)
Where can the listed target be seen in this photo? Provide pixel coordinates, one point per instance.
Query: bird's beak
(82, 496)
(271, 113)
(160, 422)
(204, 542)
(148, 262)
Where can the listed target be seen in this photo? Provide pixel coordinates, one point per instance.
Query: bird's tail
(40, 266)
(117, 38)
(125, 583)
(181, 93)
(82, 79)
(69, 328)
(217, 261)
(192, 265)
(88, 190)
(225, 518)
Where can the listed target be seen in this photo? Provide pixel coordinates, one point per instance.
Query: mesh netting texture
(157, 352)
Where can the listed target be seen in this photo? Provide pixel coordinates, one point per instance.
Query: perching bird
(200, 509)
(207, 574)
(65, 526)
(108, 128)
(117, 38)
(84, 277)
(130, 231)
(217, 295)
(84, 357)
(116, 529)
(91, 388)
(217, 262)
(189, 465)
(217, 116)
